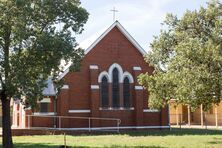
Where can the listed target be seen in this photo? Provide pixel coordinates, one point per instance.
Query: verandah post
(201, 115)
(216, 116)
(188, 115)
(177, 115)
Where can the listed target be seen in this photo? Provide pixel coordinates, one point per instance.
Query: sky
(141, 18)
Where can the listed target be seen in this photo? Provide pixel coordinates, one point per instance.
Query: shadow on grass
(27, 145)
(165, 132)
(33, 145)
(174, 132)
(117, 146)
(216, 141)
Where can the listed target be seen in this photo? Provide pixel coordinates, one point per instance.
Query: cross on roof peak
(114, 13)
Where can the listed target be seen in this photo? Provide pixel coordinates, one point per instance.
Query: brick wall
(113, 48)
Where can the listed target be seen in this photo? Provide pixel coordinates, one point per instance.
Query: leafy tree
(187, 57)
(35, 35)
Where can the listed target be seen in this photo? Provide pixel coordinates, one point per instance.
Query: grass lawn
(186, 138)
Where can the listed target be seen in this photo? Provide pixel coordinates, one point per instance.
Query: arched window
(104, 92)
(115, 94)
(126, 92)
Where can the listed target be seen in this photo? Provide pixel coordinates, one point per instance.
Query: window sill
(150, 110)
(44, 113)
(113, 108)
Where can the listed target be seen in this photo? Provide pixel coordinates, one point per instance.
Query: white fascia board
(63, 74)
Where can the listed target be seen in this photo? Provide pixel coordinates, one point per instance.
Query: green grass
(154, 139)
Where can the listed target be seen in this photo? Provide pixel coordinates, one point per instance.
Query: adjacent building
(183, 115)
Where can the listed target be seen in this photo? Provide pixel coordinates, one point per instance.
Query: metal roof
(49, 90)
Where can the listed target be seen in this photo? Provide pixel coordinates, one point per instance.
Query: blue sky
(141, 18)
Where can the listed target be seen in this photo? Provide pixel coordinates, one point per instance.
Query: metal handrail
(70, 117)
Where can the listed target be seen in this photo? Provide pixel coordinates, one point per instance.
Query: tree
(35, 35)
(187, 57)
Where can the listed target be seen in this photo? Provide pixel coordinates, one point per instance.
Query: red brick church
(104, 93)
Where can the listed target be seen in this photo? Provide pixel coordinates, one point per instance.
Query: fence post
(89, 125)
(216, 116)
(205, 118)
(118, 123)
(54, 121)
(59, 123)
(65, 139)
(180, 120)
(29, 121)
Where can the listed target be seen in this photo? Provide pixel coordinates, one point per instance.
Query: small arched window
(104, 92)
(115, 88)
(126, 92)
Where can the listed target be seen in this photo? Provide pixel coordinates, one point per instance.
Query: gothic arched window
(126, 92)
(115, 88)
(104, 92)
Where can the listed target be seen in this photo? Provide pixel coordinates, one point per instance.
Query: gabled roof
(122, 30)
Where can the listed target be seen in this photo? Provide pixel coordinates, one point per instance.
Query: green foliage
(35, 35)
(187, 57)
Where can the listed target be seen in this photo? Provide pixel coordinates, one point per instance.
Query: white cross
(114, 13)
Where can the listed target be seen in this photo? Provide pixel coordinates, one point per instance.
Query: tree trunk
(6, 123)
